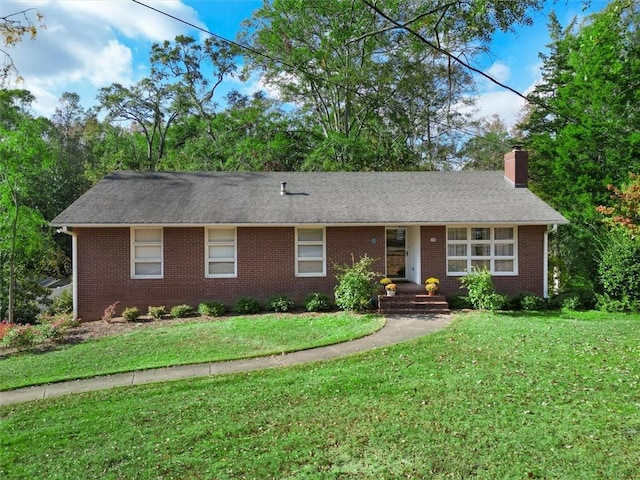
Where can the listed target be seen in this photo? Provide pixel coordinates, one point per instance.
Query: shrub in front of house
(131, 314)
(5, 326)
(246, 306)
(63, 303)
(181, 311)
(532, 302)
(280, 303)
(61, 321)
(356, 285)
(317, 302)
(49, 331)
(22, 337)
(619, 269)
(459, 302)
(526, 301)
(482, 293)
(212, 309)
(606, 303)
(157, 312)
(578, 295)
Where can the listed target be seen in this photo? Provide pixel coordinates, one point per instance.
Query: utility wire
(248, 48)
(299, 68)
(537, 101)
(396, 25)
(405, 26)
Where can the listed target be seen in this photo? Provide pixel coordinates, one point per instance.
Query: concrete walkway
(397, 328)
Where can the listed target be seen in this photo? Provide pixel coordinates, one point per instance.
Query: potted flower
(391, 289)
(432, 284)
(385, 281)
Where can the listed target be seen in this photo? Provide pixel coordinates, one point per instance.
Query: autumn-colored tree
(625, 208)
(13, 28)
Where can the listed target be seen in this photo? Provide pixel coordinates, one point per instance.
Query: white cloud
(111, 64)
(500, 71)
(90, 43)
(256, 84)
(507, 105)
(493, 99)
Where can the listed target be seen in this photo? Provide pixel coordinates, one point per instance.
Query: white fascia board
(293, 224)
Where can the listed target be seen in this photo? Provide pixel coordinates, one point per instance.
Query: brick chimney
(516, 167)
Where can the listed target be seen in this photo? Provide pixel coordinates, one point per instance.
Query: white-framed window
(310, 252)
(146, 252)
(494, 248)
(220, 252)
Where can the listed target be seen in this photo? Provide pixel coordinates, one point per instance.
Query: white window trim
(135, 261)
(312, 259)
(492, 257)
(207, 260)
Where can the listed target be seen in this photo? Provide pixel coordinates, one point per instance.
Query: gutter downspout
(74, 268)
(545, 274)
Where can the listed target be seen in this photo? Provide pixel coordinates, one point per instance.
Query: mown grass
(491, 396)
(194, 342)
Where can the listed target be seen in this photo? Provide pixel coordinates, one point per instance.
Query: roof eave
(291, 224)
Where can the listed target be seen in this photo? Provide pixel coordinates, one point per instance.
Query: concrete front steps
(412, 298)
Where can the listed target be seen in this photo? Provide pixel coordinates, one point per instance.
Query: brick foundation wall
(266, 266)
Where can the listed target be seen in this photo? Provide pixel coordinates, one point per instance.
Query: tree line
(355, 92)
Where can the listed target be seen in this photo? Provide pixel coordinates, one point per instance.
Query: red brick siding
(266, 266)
(530, 262)
(434, 258)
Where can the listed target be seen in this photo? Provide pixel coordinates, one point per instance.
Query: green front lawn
(490, 397)
(181, 344)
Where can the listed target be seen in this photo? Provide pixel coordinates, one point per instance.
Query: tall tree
(486, 149)
(13, 28)
(25, 156)
(582, 125)
(70, 153)
(200, 68)
(252, 133)
(149, 107)
(178, 85)
(375, 91)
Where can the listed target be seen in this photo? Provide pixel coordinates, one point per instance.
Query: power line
(249, 49)
(405, 26)
(396, 25)
(283, 62)
(537, 101)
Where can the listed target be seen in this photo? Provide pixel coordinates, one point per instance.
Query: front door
(396, 253)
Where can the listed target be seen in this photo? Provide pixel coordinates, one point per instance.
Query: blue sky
(88, 44)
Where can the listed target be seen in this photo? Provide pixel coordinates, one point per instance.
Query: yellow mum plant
(431, 284)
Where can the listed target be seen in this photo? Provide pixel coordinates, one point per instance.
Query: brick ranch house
(158, 238)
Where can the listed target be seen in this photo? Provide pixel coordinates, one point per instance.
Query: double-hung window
(493, 248)
(220, 253)
(310, 252)
(146, 253)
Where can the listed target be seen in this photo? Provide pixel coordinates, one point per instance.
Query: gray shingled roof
(202, 198)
